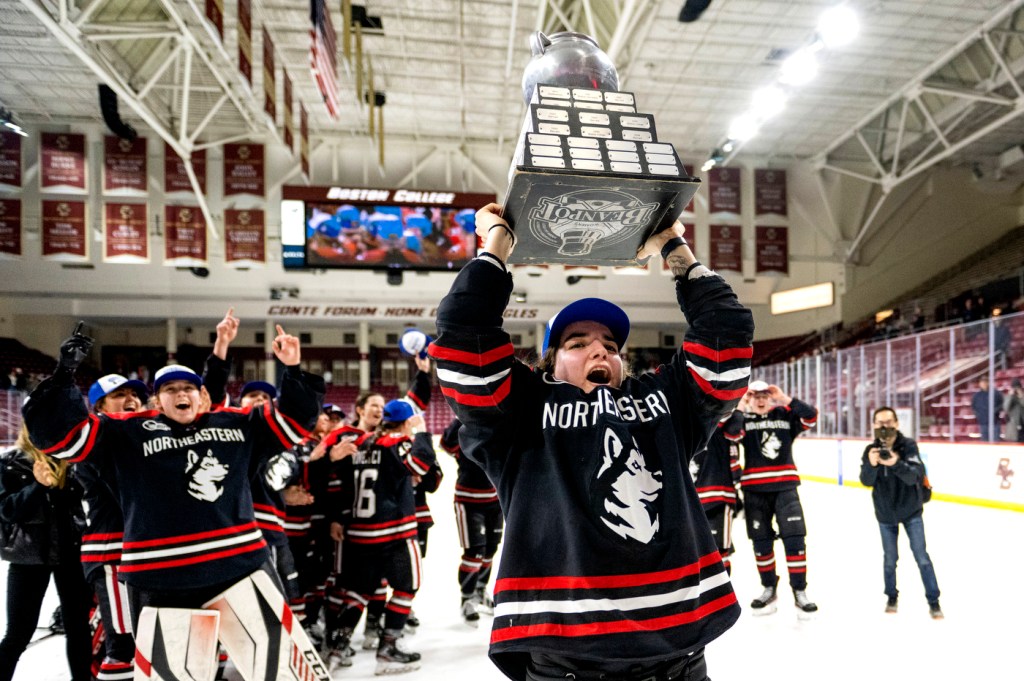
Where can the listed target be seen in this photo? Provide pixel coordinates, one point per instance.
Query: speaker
(108, 107)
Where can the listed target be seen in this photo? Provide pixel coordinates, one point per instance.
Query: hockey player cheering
(616, 574)
(772, 421)
(182, 481)
(716, 470)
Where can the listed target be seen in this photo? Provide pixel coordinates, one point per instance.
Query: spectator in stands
(1013, 405)
(980, 403)
(5, 380)
(19, 379)
(1003, 343)
(917, 323)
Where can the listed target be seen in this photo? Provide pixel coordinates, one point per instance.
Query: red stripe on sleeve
(491, 400)
(724, 395)
(472, 358)
(718, 355)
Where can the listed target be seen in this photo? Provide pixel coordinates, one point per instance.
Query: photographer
(892, 467)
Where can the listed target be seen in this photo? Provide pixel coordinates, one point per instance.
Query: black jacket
(896, 490)
(39, 526)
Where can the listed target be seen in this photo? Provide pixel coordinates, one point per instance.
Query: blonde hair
(59, 469)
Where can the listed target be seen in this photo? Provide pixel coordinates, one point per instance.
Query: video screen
(409, 237)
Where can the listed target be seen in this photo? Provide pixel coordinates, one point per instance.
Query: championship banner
(726, 247)
(724, 190)
(304, 143)
(175, 177)
(63, 232)
(10, 159)
(62, 161)
(184, 237)
(245, 39)
(772, 250)
(215, 15)
(10, 228)
(124, 164)
(243, 169)
(269, 82)
(289, 122)
(125, 233)
(245, 238)
(690, 230)
(770, 192)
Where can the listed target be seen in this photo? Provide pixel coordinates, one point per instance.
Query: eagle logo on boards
(205, 476)
(629, 490)
(770, 445)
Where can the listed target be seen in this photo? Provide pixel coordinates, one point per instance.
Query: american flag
(323, 54)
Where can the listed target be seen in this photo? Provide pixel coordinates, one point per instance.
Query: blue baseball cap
(176, 372)
(253, 386)
(111, 382)
(588, 310)
(398, 411)
(334, 410)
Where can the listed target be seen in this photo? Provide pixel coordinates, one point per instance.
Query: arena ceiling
(926, 81)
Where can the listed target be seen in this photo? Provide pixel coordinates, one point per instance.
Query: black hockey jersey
(472, 485)
(377, 503)
(609, 556)
(104, 533)
(768, 464)
(716, 470)
(184, 489)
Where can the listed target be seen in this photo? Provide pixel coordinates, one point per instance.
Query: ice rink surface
(978, 555)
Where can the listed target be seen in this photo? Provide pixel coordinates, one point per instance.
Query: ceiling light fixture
(7, 120)
(837, 26)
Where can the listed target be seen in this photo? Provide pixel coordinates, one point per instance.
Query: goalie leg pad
(263, 638)
(176, 644)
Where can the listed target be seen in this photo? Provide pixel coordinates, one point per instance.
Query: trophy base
(589, 218)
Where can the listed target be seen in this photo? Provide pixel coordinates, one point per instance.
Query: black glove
(74, 350)
(738, 508)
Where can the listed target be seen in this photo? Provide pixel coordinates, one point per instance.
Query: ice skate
(337, 652)
(891, 605)
(935, 611)
(805, 608)
(411, 624)
(469, 612)
(371, 633)
(765, 603)
(484, 604)
(391, 658)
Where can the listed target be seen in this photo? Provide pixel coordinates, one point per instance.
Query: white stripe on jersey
(130, 556)
(769, 474)
(417, 568)
(724, 376)
(295, 437)
(449, 376)
(74, 448)
(585, 605)
(717, 493)
(404, 527)
(117, 601)
(101, 548)
(475, 495)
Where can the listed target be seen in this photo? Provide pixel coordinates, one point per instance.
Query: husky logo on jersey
(770, 445)
(205, 475)
(628, 490)
(279, 469)
(152, 425)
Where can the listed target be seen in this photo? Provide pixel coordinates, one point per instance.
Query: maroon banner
(62, 160)
(175, 177)
(726, 247)
(245, 238)
(289, 123)
(124, 164)
(245, 39)
(10, 227)
(269, 82)
(690, 232)
(772, 246)
(688, 169)
(724, 189)
(770, 192)
(243, 169)
(184, 237)
(304, 143)
(215, 13)
(10, 159)
(64, 234)
(125, 234)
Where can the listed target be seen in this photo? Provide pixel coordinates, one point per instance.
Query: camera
(884, 454)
